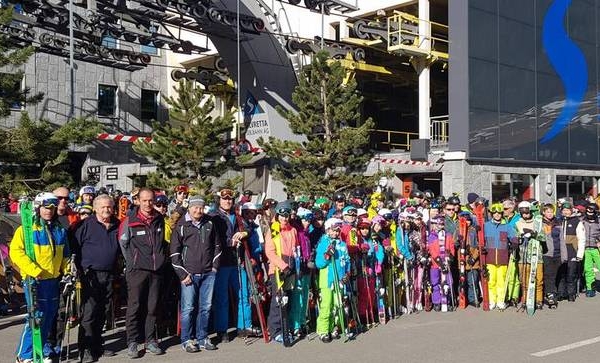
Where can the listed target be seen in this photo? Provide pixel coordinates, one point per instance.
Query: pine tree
(189, 147)
(13, 56)
(334, 153)
(35, 154)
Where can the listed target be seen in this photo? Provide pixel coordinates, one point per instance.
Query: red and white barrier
(123, 138)
(404, 162)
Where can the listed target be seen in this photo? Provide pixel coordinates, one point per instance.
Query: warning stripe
(148, 139)
(404, 162)
(123, 138)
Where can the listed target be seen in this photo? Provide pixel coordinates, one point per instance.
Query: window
(576, 187)
(520, 186)
(107, 100)
(149, 105)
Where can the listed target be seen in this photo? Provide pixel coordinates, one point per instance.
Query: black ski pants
(96, 294)
(569, 273)
(143, 291)
(551, 274)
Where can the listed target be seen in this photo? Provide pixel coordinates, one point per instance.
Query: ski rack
(137, 21)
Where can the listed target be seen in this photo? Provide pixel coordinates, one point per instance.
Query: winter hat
(472, 197)
(333, 222)
(196, 200)
(567, 205)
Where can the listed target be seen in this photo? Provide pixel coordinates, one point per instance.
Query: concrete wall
(463, 176)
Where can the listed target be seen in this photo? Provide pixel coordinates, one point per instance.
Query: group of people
(332, 265)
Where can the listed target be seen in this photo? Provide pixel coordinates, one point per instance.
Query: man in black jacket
(95, 247)
(142, 236)
(195, 254)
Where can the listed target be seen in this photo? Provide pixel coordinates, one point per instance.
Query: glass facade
(533, 87)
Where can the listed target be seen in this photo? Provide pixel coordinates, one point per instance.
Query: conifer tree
(334, 151)
(191, 146)
(13, 56)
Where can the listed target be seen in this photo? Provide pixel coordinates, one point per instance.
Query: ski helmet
(591, 210)
(45, 199)
(415, 193)
(161, 199)
(454, 200)
(358, 193)
(524, 207)
(305, 214)
(429, 195)
(88, 189)
(385, 213)
(339, 197)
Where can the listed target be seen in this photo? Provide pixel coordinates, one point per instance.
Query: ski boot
(437, 307)
(590, 293)
(501, 306)
(572, 297)
(539, 306)
(551, 301)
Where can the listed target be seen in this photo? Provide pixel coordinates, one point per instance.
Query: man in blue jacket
(95, 247)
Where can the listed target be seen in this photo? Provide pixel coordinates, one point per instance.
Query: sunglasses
(62, 198)
(85, 213)
(351, 214)
(450, 209)
(160, 205)
(50, 203)
(180, 193)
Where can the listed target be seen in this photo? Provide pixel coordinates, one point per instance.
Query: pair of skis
(462, 262)
(480, 217)
(34, 317)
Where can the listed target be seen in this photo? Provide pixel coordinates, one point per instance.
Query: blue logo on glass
(568, 62)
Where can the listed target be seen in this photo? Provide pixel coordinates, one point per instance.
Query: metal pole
(322, 25)
(424, 76)
(239, 88)
(71, 63)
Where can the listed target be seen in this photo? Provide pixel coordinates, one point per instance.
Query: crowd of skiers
(331, 266)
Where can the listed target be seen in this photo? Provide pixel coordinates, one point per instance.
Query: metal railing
(388, 140)
(438, 131)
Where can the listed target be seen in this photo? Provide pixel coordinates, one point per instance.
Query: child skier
(334, 263)
(441, 250)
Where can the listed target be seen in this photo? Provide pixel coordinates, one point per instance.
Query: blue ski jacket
(341, 257)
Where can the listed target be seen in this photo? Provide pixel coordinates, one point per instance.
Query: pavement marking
(564, 348)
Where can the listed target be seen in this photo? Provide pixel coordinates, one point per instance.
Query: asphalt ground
(570, 333)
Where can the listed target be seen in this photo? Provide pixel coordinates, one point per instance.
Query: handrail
(392, 139)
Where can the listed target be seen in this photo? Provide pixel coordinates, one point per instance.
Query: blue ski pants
(47, 295)
(228, 277)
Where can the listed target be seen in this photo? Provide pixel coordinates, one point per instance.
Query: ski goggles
(226, 194)
(284, 212)
(49, 203)
(496, 208)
